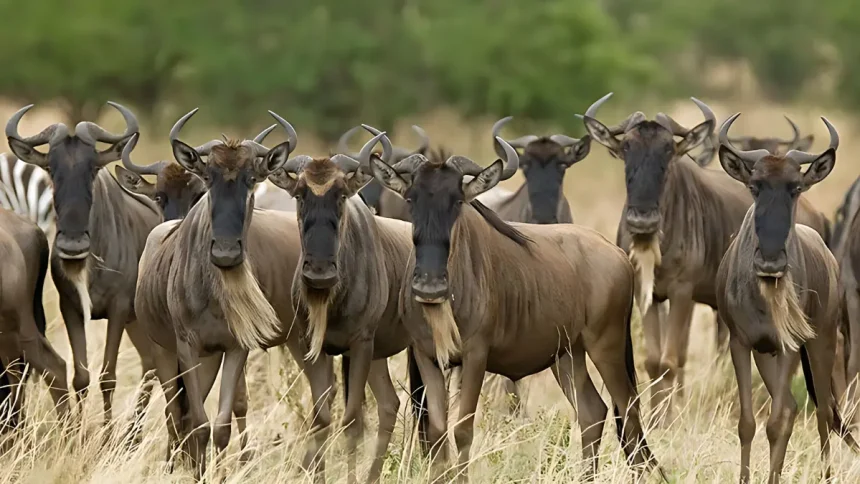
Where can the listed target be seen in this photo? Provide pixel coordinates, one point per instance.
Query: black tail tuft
(418, 397)
(44, 261)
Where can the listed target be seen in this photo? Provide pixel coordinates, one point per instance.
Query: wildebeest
(220, 281)
(774, 145)
(845, 215)
(544, 161)
(24, 252)
(381, 201)
(101, 232)
(845, 245)
(676, 224)
(512, 300)
(26, 190)
(778, 292)
(349, 282)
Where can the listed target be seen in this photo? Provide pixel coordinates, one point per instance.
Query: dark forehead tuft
(543, 148)
(231, 155)
(775, 166)
(320, 171)
(174, 173)
(649, 130)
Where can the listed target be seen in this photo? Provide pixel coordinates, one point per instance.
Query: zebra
(26, 189)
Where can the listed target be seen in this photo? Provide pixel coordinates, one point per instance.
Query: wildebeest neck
(544, 183)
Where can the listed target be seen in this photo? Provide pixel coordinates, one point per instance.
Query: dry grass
(543, 446)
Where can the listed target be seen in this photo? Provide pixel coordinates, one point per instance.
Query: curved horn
(563, 140)
(409, 164)
(49, 134)
(297, 164)
(750, 157)
(291, 132)
(262, 136)
(619, 128)
(153, 169)
(669, 123)
(591, 112)
(794, 129)
(803, 157)
(425, 140)
(91, 133)
(464, 165)
(707, 112)
(202, 150)
(342, 142)
(512, 159)
(387, 148)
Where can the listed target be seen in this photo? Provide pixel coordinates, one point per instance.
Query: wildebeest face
(321, 189)
(436, 194)
(775, 183)
(544, 164)
(175, 190)
(232, 171)
(73, 163)
(648, 148)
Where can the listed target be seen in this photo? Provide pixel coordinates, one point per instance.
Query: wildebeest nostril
(226, 253)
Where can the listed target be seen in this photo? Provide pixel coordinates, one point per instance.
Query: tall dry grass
(701, 445)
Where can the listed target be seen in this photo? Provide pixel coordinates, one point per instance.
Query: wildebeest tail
(418, 397)
(828, 233)
(38, 307)
(838, 425)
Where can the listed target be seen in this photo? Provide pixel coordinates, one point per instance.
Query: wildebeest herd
(387, 249)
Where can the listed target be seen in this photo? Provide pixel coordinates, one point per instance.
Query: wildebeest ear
(287, 181)
(388, 177)
(735, 166)
(709, 149)
(134, 183)
(274, 159)
(27, 153)
(602, 135)
(805, 143)
(356, 180)
(114, 153)
(187, 157)
(487, 179)
(819, 168)
(695, 137)
(579, 151)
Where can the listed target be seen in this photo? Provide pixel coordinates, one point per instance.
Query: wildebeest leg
(74, 322)
(571, 373)
(474, 365)
(231, 372)
(852, 370)
(674, 352)
(611, 350)
(240, 410)
(14, 392)
(512, 391)
(107, 379)
(654, 349)
(320, 378)
(821, 357)
(722, 335)
(143, 345)
(199, 437)
(42, 357)
(360, 357)
(167, 369)
(746, 423)
(776, 373)
(387, 405)
(436, 395)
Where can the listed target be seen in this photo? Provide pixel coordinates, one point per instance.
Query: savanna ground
(701, 445)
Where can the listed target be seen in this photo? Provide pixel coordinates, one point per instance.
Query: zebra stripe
(26, 190)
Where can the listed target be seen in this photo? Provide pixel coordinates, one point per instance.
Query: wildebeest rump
(677, 223)
(349, 283)
(24, 252)
(778, 292)
(511, 300)
(101, 232)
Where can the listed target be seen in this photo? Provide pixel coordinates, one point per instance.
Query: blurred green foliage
(329, 64)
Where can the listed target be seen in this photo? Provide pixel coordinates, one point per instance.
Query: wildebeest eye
(409, 201)
(159, 199)
(754, 186)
